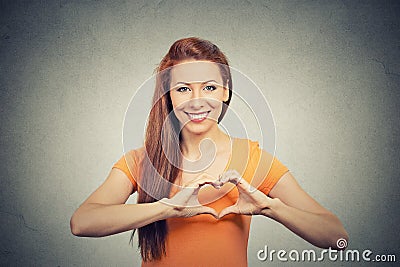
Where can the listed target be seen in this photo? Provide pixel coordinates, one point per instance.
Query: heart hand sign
(251, 201)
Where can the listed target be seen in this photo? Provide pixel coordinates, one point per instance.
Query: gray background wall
(329, 69)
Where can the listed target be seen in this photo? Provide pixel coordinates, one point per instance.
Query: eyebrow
(187, 83)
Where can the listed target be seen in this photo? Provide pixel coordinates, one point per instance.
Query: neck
(192, 143)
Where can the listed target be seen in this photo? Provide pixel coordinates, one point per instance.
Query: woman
(191, 210)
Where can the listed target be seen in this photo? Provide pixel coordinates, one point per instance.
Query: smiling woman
(197, 186)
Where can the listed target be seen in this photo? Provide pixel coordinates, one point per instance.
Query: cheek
(215, 103)
(216, 108)
(176, 101)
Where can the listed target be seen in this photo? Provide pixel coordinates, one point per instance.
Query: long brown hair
(160, 166)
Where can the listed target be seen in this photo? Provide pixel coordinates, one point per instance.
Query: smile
(198, 117)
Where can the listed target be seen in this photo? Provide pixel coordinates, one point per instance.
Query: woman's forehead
(195, 71)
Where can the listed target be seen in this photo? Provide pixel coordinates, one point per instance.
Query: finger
(187, 192)
(181, 198)
(228, 210)
(230, 176)
(203, 179)
(208, 210)
(234, 177)
(243, 185)
(208, 179)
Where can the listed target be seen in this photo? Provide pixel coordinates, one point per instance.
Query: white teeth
(198, 116)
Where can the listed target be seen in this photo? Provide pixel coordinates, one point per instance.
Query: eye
(183, 89)
(210, 88)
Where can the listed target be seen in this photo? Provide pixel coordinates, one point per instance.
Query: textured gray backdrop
(330, 70)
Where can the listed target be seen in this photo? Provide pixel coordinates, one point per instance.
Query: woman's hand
(291, 206)
(250, 202)
(186, 204)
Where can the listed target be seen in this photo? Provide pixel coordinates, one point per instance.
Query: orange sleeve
(268, 168)
(275, 173)
(128, 163)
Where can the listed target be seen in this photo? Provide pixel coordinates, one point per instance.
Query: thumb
(228, 210)
(208, 210)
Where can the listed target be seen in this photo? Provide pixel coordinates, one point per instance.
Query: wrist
(165, 209)
(276, 206)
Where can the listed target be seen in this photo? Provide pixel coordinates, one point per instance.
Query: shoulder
(259, 155)
(249, 145)
(130, 163)
(246, 154)
(263, 169)
(246, 142)
(134, 155)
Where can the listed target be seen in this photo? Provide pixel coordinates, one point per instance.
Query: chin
(198, 128)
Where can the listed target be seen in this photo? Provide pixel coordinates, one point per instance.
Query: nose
(196, 102)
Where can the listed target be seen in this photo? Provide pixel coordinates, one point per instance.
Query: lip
(208, 111)
(197, 113)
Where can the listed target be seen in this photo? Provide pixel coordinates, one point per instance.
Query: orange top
(202, 240)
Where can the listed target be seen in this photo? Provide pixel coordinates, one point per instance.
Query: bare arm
(104, 212)
(300, 213)
(289, 205)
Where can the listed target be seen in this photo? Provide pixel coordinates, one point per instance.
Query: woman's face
(197, 93)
